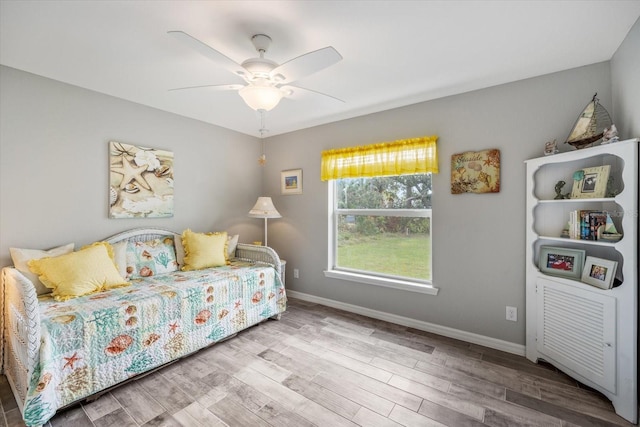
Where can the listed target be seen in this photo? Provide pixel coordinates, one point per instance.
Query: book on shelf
(585, 224)
(597, 222)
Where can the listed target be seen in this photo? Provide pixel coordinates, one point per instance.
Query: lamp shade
(264, 209)
(261, 96)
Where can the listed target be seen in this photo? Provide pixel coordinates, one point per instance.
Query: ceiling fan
(267, 81)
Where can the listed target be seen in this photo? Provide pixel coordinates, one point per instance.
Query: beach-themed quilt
(93, 342)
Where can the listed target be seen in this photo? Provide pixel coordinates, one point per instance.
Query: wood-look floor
(319, 366)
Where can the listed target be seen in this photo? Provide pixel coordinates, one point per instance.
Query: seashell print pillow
(151, 258)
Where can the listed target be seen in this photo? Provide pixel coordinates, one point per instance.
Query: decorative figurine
(612, 191)
(559, 195)
(590, 126)
(610, 135)
(550, 148)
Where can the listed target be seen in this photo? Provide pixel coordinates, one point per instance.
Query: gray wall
(53, 180)
(478, 240)
(625, 72)
(54, 166)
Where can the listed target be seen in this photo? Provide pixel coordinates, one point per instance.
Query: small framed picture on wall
(291, 181)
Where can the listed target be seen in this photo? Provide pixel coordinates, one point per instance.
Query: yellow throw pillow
(89, 270)
(204, 250)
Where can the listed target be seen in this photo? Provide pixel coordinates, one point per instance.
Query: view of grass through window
(384, 225)
(394, 254)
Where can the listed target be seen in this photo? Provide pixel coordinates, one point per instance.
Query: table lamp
(264, 209)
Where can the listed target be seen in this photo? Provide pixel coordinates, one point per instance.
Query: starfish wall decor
(131, 172)
(141, 182)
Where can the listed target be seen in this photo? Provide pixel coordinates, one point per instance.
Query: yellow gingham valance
(402, 157)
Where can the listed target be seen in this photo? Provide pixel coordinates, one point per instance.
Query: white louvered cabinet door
(577, 329)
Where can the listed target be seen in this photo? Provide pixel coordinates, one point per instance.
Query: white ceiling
(395, 53)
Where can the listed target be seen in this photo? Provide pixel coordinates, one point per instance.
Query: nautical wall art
(475, 172)
(140, 182)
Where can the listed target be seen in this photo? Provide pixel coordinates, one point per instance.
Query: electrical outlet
(296, 273)
(512, 314)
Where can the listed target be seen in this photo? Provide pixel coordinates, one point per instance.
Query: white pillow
(120, 256)
(232, 242)
(21, 258)
(177, 242)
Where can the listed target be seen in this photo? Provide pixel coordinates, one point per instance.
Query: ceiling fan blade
(294, 92)
(305, 65)
(211, 87)
(209, 52)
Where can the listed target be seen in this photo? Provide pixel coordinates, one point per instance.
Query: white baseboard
(496, 344)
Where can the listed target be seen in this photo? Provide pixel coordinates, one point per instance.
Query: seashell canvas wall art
(140, 182)
(475, 172)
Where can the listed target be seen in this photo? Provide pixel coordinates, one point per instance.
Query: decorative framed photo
(599, 272)
(590, 183)
(291, 181)
(475, 172)
(562, 262)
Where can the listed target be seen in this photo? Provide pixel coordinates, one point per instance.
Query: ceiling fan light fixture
(264, 78)
(261, 97)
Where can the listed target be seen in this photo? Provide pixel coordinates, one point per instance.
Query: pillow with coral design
(151, 258)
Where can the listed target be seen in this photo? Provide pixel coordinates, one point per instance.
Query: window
(380, 225)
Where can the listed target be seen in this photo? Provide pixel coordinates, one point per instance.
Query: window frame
(379, 279)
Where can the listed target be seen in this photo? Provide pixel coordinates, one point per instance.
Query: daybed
(56, 353)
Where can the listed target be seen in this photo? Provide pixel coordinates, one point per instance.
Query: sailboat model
(609, 232)
(590, 126)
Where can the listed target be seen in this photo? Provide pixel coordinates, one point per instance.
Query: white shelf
(599, 348)
(581, 201)
(579, 241)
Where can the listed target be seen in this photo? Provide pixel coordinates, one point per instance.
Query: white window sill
(380, 281)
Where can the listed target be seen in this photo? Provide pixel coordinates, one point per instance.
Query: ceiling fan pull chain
(262, 160)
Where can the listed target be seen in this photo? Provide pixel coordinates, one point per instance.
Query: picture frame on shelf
(599, 272)
(561, 262)
(590, 183)
(291, 181)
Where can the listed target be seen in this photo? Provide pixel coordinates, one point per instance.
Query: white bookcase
(589, 333)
